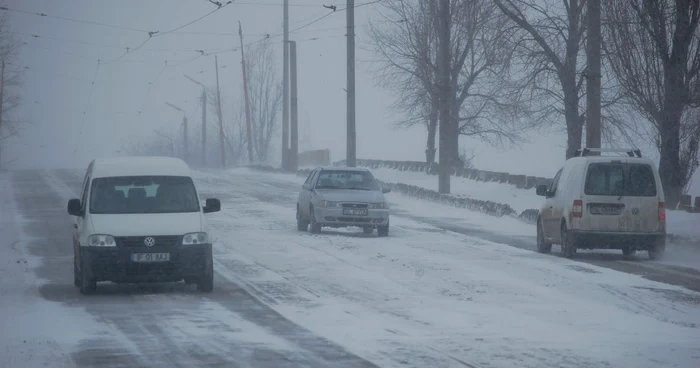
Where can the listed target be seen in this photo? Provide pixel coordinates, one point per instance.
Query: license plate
(355, 211)
(150, 257)
(602, 210)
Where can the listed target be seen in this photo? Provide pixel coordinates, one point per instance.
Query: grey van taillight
(662, 211)
(577, 209)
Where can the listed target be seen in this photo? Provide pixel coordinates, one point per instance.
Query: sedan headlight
(329, 204)
(195, 238)
(99, 240)
(379, 206)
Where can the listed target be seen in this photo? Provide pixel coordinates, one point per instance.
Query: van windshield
(143, 194)
(612, 179)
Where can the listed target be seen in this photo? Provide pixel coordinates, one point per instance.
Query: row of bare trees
(10, 80)
(265, 98)
(516, 65)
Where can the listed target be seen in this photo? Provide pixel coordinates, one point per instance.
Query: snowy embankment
(423, 294)
(679, 223)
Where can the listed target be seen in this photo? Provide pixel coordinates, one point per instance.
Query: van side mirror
(212, 205)
(542, 190)
(386, 190)
(306, 187)
(74, 207)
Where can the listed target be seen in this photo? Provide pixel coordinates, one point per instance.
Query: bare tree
(265, 93)
(11, 81)
(481, 102)
(654, 50)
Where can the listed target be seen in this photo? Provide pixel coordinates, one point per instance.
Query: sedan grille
(355, 205)
(138, 241)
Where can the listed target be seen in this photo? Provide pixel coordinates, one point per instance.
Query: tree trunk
(670, 133)
(574, 128)
(443, 66)
(432, 129)
(454, 126)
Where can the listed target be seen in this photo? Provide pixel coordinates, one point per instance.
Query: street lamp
(204, 119)
(184, 134)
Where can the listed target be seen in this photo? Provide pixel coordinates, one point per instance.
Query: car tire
(383, 231)
(656, 252)
(568, 243)
(88, 285)
(542, 246)
(76, 273)
(302, 224)
(205, 283)
(315, 226)
(367, 230)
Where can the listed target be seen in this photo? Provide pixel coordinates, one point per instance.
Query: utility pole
(285, 87)
(204, 127)
(221, 119)
(2, 90)
(204, 120)
(351, 140)
(593, 76)
(294, 155)
(245, 94)
(184, 133)
(443, 69)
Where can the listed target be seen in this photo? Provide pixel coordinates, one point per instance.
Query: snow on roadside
(678, 222)
(423, 293)
(519, 199)
(25, 339)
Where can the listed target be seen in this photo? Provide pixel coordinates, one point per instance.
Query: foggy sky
(67, 131)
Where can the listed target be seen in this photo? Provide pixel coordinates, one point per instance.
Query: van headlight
(379, 206)
(328, 204)
(100, 240)
(195, 238)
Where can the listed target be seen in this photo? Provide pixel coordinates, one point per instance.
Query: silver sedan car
(342, 197)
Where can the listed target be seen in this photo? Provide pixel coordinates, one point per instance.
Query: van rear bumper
(116, 264)
(616, 240)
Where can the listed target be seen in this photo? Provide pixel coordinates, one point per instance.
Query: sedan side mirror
(542, 190)
(212, 205)
(74, 207)
(386, 190)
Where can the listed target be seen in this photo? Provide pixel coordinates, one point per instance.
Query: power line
(71, 19)
(152, 34)
(148, 91)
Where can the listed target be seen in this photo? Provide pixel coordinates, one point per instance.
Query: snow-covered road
(427, 296)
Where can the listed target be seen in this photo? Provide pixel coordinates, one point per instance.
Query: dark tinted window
(609, 179)
(341, 179)
(143, 194)
(641, 181)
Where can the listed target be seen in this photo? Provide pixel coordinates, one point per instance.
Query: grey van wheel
(542, 246)
(568, 244)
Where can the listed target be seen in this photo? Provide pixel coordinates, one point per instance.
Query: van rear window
(612, 179)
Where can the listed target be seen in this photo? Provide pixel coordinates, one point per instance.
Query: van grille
(138, 241)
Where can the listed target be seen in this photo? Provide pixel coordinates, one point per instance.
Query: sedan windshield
(340, 179)
(143, 194)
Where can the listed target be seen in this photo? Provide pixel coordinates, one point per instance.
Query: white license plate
(354, 212)
(150, 257)
(606, 210)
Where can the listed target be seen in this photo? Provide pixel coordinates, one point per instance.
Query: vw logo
(149, 241)
(635, 211)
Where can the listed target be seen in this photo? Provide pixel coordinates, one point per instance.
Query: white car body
(122, 235)
(586, 219)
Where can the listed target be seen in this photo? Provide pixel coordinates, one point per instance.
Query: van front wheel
(542, 246)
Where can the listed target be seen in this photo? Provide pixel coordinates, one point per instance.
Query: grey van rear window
(612, 179)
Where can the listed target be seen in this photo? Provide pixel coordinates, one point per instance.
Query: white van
(139, 219)
(604, 202)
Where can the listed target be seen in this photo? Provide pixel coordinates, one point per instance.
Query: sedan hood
(352, 195)
(147, 224)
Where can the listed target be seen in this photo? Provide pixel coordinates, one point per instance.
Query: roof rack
(631, 152)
